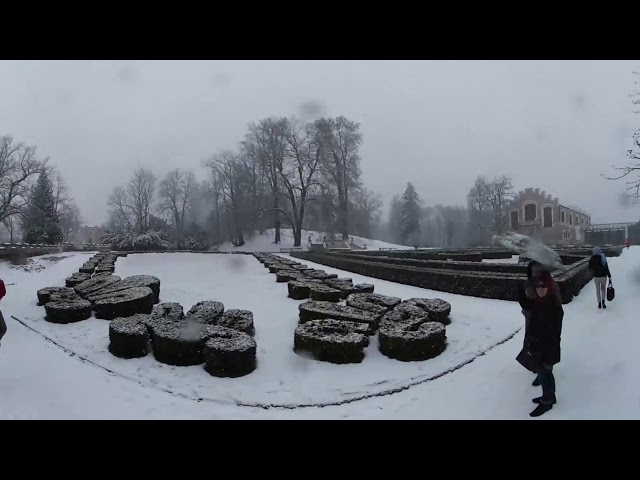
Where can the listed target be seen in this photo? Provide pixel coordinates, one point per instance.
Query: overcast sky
(557, 125)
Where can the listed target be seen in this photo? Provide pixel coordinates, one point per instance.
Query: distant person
(542, 351)
(527, 298)
(3, 324)
(627, 242)
(598, 264)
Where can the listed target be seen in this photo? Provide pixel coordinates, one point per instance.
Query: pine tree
(41, 223)
(410, 215)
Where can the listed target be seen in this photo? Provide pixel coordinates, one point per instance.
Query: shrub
(129, 337)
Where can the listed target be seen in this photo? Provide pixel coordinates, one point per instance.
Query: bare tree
(266, 140)
(632, 169)
(121, 218)
(140, 192)
(176, 197)
(499, 193)
(365, 211)
(342, 138)
(70, 220)
(18, 168)
(227, 168)
(479, 209)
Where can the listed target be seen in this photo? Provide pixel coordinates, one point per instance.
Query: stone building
(90, 235)
(539, 215)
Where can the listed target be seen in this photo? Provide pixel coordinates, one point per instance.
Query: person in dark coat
(527, 298)
(542, 351)
(598, 264)
(3, 325)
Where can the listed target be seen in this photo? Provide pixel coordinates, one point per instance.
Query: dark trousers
(548, 383)
(3, 326)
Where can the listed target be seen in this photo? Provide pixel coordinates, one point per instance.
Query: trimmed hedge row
(476, 284)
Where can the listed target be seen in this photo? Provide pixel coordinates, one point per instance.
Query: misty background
(557, 125)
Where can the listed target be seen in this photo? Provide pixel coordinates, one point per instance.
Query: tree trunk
(297, 234)
(276, 220)
(343, 221)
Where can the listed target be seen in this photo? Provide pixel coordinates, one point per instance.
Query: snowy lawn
(597, 378)
(282, 377)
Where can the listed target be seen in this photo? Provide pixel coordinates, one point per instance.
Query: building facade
(90, 235)
(539, 215)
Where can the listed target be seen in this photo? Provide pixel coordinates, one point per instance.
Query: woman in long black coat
(542, 349)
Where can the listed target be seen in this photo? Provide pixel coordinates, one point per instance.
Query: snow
(514, 259)
(263, 242)
(597, 377)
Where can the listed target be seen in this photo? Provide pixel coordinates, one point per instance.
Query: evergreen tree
(41, 223)
(410, 215)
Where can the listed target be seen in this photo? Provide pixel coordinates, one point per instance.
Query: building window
(514, 220)
(530, 212)
(570, 219)
(562, 217)
(566, 234)
(547, 217)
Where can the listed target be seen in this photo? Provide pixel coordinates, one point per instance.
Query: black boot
(539, 400)
(600, 305)
(537, 382)
(541, 409)
(604, 305)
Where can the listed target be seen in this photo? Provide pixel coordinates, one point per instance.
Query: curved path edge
(384, 393)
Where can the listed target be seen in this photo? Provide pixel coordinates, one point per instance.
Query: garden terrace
(483, 284)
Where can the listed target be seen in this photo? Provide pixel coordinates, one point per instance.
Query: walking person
(598, 264)
(3, 324)
(542, 351)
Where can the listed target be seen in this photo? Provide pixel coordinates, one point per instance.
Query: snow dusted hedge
(44, 294)
(378, 304)
(129, 337)
(314, 310)
(178, 343)
(460, 256)
(76, 279)
(333, 341)
(95, 284)
(125, 303)
(228, 352)
(129, 282)
(476, 284)
(67, 311)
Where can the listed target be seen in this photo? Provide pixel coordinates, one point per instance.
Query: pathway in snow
(596, 379)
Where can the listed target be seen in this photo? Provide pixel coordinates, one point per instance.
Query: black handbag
(611, 292)
(530, 361)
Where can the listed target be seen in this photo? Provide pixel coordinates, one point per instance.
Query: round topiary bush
(315, 310)
(65, 295)
(207, 312)
(324, 293)
(332, 341)
(438, 309)
(228, 352)
(283, 276)
(125, 303)
(178, 343)
(410, 342)
(373, 302)
(320, 275)
(67, 312)
(44, 294)
(171, 310)
(129, 337)
(241, 320)
(76, 279)
(88, 267)
(95, 284)
(301, 289)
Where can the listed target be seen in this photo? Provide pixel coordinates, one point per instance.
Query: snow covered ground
(513, 259)
(264, 242)
(597, 377)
